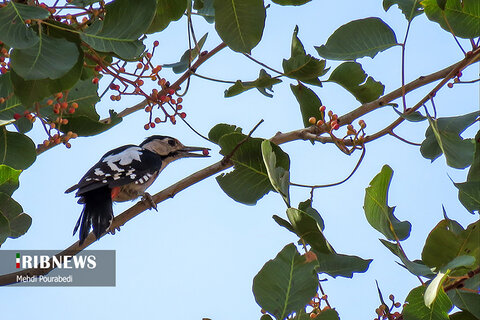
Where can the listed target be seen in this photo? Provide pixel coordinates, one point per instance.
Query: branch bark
(310, 133)
(141, 206)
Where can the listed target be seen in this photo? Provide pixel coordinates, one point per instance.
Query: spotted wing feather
(118, 167)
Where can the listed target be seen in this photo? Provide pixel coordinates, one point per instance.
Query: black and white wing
(119, 167)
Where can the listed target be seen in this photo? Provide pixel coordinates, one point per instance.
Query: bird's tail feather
(97, 212)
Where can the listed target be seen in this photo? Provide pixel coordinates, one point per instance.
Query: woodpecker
(124, 174)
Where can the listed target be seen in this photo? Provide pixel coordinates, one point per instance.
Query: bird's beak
(189, 152)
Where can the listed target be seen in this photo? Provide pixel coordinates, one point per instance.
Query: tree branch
(142, 206)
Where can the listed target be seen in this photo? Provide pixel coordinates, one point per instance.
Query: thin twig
(336, 183)
(404, 100)
(393, 134)
(212, 79)
(453, 33)
(263, 64)
(228, 157)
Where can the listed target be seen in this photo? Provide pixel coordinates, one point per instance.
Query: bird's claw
(113, 230)
(149, 201)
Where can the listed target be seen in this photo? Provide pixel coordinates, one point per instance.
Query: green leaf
(410, 8)
(434, 288)
(329, 314)
(4, 229)
(11, 105)
(220, 130)
(18, 222)
(308, 229)
(301, 66)
(467, 301)
(469, 195)
(442, 4)
(378, 213)
(415, 308)
(443, 136)
(463, 315)
(469, 191)
(443, 245)
(113, 34)
(463, 17)
(16, 150)
(187, 57)
(341, 265)
(85, 94)
(306, 206)
(415, 267)
(248, 182)
(30, 91)
(8, 179)
(86, 126)
(285, 284)
(283, 223)
(205, 9)
(351, 76)
(49, 58)
(415, 116)
(240, 23)
(357, 39)
(263, 83)
(13, 30)
(290, 2)
(167, 11)
(309, 103)
(278, 171)
(23, 125)
(83, 3)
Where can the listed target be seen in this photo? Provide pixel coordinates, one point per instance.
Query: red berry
(156, 43)
(322, 109)
(148, 109)
(139, 65)
(450, 85)
(180, 100)
(171, 91)
(95, 80)
(157, 120)
(17, 116)
(147, 126)
(152, 125)
(205, 152)
(182, 115)
(98, 68)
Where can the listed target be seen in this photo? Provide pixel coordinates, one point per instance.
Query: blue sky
(198, 255)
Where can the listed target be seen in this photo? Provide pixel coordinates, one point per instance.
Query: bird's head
(171, 149)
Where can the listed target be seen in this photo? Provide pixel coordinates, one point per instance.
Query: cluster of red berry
(332, 124)
(385, 313)
(60, 106)
(315, 303)
(4, 59)
(131, 83)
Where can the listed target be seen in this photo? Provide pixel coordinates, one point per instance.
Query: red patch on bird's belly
(115, 192)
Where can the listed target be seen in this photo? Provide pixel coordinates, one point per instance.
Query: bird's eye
(171, 142)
